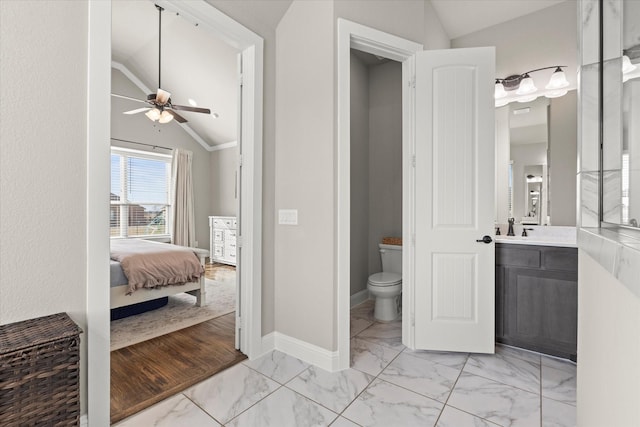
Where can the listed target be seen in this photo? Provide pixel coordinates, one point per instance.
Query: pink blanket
(149, 264)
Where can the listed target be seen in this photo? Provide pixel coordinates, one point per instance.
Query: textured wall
(43, 52)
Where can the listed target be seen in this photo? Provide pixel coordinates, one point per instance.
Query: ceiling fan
(161, 108)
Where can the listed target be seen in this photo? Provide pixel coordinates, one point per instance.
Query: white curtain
(183, 230)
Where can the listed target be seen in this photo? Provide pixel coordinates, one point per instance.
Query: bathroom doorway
(376, 169)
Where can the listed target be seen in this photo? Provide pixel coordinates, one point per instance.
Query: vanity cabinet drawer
(518, 257)
(562, 259)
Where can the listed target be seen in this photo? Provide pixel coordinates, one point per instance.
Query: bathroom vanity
(537, 294)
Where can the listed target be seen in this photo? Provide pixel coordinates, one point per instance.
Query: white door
(454, 200)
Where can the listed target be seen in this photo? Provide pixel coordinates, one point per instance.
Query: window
(140, 183)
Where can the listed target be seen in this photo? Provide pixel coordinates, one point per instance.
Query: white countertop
(540, 235)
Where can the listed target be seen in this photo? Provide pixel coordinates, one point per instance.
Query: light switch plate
(288, 216)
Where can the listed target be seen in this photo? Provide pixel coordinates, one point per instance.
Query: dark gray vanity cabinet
(537, 298)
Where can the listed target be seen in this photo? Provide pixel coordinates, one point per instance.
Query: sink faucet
(510, 231)
(524, 231)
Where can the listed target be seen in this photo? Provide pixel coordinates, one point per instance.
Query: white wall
(138, 128)
(43, 97)
(563, 147)
(385, 157)
(608, 348)
(359, 175)
(222, 173)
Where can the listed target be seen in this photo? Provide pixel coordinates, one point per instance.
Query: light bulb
(526, 86)
(627, 66)
(153, 114)
(499, 90)
(165, 117)
(558, 80)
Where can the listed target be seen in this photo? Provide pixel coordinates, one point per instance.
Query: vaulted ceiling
(195, 65)
(198, 66)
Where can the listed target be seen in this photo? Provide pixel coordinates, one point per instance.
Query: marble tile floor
(387, 385)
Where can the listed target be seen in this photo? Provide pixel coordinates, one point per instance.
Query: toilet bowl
(386, 287)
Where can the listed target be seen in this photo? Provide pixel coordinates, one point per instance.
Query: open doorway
(249, 185)
(201, 73)
(376, 194)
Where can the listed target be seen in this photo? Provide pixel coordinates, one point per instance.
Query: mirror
(522, 151)
(621, 125)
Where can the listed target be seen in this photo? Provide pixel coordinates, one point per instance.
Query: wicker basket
(39, 372)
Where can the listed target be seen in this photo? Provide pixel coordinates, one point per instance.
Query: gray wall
(305, 173)
(376, 164)
(359, 175)
(262, 18)
(563, 137)
(223, 169)
(138, 128)
(385, 157)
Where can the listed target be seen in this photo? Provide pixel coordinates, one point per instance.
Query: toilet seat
(385, 279)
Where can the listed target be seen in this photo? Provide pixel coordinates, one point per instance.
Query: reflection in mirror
(621, 126)
(525, 151)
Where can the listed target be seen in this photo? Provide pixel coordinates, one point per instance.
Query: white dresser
(222, 240)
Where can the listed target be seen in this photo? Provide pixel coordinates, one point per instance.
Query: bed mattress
(117, 275)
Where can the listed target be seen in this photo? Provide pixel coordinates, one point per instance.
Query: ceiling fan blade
(176, 116)
(137, 110)
(192, 109)
(129, 98)
(162, 96)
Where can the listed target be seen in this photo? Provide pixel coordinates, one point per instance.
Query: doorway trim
(98, 133)
(357, 36)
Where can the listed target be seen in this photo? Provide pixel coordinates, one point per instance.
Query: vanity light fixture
(521, 88)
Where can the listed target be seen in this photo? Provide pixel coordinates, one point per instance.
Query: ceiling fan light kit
(162, 109)
(521, 88)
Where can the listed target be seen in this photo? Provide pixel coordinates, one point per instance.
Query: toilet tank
(391, 256)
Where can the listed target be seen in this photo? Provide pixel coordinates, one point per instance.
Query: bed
(122, 293)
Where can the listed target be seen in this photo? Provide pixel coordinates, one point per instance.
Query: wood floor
(148, 372)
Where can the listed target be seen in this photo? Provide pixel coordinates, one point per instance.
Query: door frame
(98, 134)
(357, 36)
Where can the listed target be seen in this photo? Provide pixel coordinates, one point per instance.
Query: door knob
(485, 239)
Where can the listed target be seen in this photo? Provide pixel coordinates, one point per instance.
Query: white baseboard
(309, 353)
(84, 421)
(359, 297)
(268, 343)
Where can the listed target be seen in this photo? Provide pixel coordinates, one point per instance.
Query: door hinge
(239, 241)
(241, 79)
(240, 160)
(413, 161)
(412, 81)
(413, 240)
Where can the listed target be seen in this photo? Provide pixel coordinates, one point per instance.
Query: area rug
(179, 313)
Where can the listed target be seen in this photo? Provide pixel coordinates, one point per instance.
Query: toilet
(386, 286)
